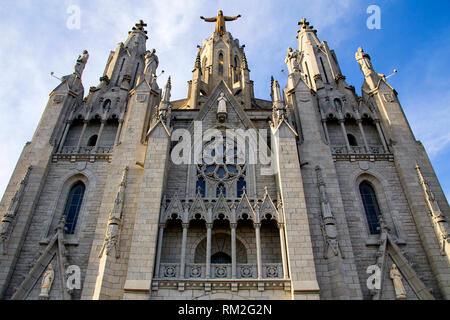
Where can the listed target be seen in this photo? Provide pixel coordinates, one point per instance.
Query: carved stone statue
(220, 21)
(47, 281)
(396, 277)
(151, 62)
(81, 63)
(222, 114)
(292, 60)
(364, 61)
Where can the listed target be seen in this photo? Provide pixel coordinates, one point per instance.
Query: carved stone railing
(376, 149)
(84, 154)
(358, 149)
(86, 150)
(273, 271)
(247, 271)
(339, 150)
(220, 271)
(169, 270)
(359, 153)
(196, 271)
(69, 150)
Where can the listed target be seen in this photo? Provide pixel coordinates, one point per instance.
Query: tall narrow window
(324, 71)
(73, 206)
(236, 70)
(370, 207)
(241, 184)
(120, 71)
(201, 186)
(309, 75)
(135, 75)
(221, 64)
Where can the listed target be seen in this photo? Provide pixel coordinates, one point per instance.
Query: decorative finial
(198, 64)
(305, 25)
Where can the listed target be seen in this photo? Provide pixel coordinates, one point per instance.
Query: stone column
(283, 251)
(258, 249)
(208, 250)
(381, 135)
(233, 250)
(344, 132)
(99, 136)
(159, 249)
(63, 139)
(366, 145)
(80, 139)
(183, 250)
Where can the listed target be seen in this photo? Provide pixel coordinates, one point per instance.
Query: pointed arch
(371, 207)
(73, 206)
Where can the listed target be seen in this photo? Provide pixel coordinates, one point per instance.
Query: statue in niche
(222, 114)
(46, 284)
(292, 60)
(81, 63)
(151, 62)
(396, 277)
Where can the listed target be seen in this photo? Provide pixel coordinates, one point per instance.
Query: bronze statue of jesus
(220, 21)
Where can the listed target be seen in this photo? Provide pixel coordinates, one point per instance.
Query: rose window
(221, 161)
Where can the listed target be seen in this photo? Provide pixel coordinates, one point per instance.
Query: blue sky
(414, 38)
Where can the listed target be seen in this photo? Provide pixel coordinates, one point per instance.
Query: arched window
(73, 206)
(236, 69)
(220, 258)
(221, 64)
(201, 186)
(92, 141)
(371, 207)
(352, 140)
(241, 184)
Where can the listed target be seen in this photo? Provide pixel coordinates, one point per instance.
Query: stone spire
(244, 62)
(137, 38)
(279, 109)
(167, 89)
(164, 107)
(198, 64)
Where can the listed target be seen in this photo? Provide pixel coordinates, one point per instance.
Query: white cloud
(35, 41)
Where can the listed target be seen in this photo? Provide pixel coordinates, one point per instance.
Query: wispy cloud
(36, 41)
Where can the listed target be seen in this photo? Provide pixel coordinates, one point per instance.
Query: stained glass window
(73, 206)
(371, 207)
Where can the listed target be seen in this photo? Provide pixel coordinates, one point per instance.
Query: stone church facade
(317, 194)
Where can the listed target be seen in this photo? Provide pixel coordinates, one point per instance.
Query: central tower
(221, 58)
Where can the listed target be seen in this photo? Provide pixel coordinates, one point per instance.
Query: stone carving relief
(115, 221)
(8, 218)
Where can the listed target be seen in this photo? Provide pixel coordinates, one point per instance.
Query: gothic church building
(123, 193)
